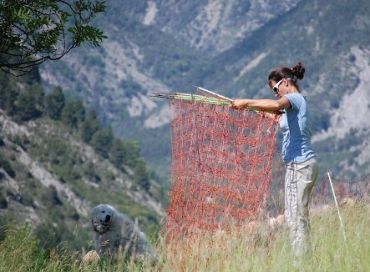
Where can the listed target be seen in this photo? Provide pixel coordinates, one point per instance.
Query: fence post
(336, 204)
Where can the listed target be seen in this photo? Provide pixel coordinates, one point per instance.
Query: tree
(33, 31)
(90, 126)
(132, 152)
(8, 94)
(29, 103)
(73, 113)
(118, 154)
(102, 141)
(5, 164)
(141, 175)
(54, 103)
(8, 97)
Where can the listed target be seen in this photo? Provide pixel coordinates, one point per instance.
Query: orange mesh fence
(221, 166)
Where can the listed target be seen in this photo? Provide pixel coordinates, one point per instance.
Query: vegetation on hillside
(70, 142)
(31, 102)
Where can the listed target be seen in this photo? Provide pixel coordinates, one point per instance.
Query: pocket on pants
(305, 173)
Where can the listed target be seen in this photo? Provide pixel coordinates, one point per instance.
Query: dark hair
(294, 73)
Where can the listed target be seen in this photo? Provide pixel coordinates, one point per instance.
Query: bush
(73, 114)
(89, 127)
(30, 103)
(90, 172)
(118, 154)
(2, 143)
(27, 199)
(141, 175)
(3, 200)
(21, 141)
(132, 153)
(54, 103)
(102, 142)
(6, 165)
(8, 97)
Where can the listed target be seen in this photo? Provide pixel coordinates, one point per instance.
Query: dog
(115, 232)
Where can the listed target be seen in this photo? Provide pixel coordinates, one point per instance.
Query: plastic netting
(221, 166)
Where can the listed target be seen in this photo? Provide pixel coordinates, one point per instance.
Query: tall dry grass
(238, 250)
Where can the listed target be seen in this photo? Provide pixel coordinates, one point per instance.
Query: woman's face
(279, 88)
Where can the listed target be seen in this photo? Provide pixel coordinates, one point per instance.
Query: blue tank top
(295, 126)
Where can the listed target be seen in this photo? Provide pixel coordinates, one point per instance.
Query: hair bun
(298, 70)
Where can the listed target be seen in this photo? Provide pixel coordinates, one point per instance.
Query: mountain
(229, 47)
(209, 26)
(138, 58)
(57, 162)
(333, 41)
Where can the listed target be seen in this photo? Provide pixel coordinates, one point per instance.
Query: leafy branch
(34, 31)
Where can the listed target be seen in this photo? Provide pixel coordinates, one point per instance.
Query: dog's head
(102, 217)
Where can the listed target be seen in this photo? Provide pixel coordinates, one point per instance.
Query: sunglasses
(275, 89)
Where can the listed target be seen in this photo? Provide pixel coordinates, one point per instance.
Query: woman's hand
(239, 103)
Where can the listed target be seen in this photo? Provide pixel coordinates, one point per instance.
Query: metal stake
(336, 204)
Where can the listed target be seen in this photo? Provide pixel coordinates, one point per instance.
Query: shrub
(102, 142)
(89, 127)
(30, 103)
(6, 165)
(3, 200)
(54, 103)
(73, 114)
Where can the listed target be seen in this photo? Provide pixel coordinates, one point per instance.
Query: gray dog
(116, 232)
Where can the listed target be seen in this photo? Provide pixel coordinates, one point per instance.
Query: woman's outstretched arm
(262, 104)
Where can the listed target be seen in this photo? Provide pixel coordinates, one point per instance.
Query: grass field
(265, 250)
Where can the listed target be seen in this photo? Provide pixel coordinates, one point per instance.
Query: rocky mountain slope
(230, 47)
(51, 177)
(209, 26)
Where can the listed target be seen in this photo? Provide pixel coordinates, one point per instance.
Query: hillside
(208, 26)
(230, 47)
(54, 167)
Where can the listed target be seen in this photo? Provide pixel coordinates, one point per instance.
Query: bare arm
(262, 104)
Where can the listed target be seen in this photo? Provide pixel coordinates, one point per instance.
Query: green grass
(265, 250)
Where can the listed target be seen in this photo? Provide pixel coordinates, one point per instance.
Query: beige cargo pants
(299, 181)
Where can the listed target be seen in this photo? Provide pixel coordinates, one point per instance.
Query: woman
(298, 156)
